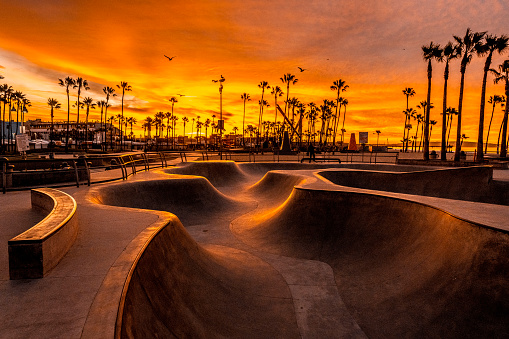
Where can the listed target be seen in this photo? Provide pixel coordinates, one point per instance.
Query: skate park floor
(264, 250)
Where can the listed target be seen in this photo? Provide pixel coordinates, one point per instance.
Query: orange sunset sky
(375, 46)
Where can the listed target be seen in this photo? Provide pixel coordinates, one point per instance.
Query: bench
(39, 249)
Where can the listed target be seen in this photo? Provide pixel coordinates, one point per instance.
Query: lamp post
(220, 122)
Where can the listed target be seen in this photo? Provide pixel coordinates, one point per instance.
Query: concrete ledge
(36, 251)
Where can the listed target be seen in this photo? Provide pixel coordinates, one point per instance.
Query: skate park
(272, 250)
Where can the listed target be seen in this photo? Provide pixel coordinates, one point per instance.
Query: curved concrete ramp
(187, 197)
(219, 173)
(276, 186)
(179, 289)
(402, 268)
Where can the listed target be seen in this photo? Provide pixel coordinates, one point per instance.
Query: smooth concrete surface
(36, 251)
(278, 252)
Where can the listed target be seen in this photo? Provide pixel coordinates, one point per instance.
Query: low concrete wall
(36, 251)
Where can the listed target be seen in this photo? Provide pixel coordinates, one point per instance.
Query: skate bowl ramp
(403, 269)
(179, 289)
(219, 173)
(276, 186)
(191, 198)
(471, 184)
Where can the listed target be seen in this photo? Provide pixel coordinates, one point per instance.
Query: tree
(147, 124)
(287, 79)
(109, 91)
(276, 92)
(450, 52)
(67, 82)
(467, 45)
(207, 125)
(338, 86)
(491, 44)
(125, 88)
(184, 120)
(261, 103)
(89, 102)
(79, 84)
(408, 92)
(173, 101)
(54, 104)
(245, 97)
(167, 115)
(263, 85)
(503, 75)
(429, 53)
(101, 104)
(345, 103)
(494, 100)
(451, 112)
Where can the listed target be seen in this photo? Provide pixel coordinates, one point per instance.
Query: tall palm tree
(503, 75)
(109, 91)
(207, 125)
(494, 100)
(79, 84)
(101, 104)
(89, 102)
(429, 53)
(125, 88)
(7, 96)
(276, 92)
(112, 120)
(287, 79)
(261, 103)
(245, 97)
(467, 45)
(338, 86)
(67, 82)
(263, 85)
(173, 101)
(451, 51)
(167, 115)
(490, 44)
(184, 120)
(345, 103)
(451, 112)
(408, 92)
(147, 123)
(54, 104)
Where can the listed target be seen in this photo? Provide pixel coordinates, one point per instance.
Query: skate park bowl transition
(402, 267)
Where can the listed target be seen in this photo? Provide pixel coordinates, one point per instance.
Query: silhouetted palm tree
(450, 52)
(409, 114)
(125, 88)
(79, 84)
(89, 102)
(276, 92)
(109, 91)
(451, 112)
(54, 104)
(503, 75)
(338, 86)
(467, 45)
(147, 124)
(263, 85)
(184, 120)
(245, 97)
(429, 53)
(287, 79)
(491, 44)
(408, 92)
(494, 100)
(67, 82)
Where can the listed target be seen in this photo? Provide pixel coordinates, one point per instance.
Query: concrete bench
(36, 251)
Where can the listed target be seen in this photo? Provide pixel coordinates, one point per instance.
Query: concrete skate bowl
(219, 173)
(403, 269)
(470, 183)
(190, 198)
(179, 289)
(275, 186)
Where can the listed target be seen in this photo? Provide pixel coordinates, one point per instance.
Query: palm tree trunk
(426, 118)
(489, 128)
(503, 149)
(460, 107)
(68, 117)
(443, 146)
(480, 136)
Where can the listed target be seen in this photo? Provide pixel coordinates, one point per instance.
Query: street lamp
(220, 122)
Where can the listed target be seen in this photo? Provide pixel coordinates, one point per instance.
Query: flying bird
(301, 69)
(168, 57)
(181, 95)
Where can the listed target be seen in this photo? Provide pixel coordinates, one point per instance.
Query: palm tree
(287, 79)
(345, 103)
(276, 92)
(467, 45)
(450, 52)
(184, 120)
(109, 91)
(408, 92)
(79, 84)
(431, 124)
(409, 113)
(261, 103)
(491, 44)
(451, 112)
(263, 85)
(503, 75)
(429, 53)
(338, 86)
(494, 100)
(147, 123)
(54, 104)
(67, 82)
(206, 124)
(125, 88)
(89, 102)
(245, 97)
(419, 118)
(112, 120)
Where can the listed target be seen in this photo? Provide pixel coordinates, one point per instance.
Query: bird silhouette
(301, 69)
(168, 57)
(181, 95)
